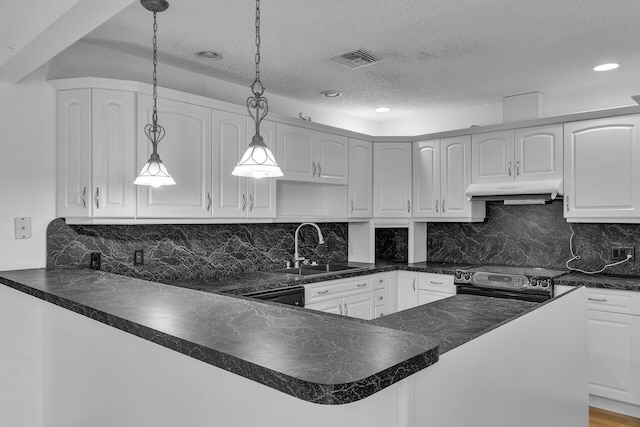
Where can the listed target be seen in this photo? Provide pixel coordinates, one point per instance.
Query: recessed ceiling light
(209, 55)
(382, 110)
(331, 93)
(606, 67)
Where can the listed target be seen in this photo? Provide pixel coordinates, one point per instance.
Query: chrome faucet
(296, 255)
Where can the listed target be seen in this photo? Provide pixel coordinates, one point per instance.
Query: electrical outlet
(95, 260)
(138, 257)
(619, 253)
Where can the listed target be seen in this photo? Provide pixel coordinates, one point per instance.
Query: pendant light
(154, 172)
(258, 161)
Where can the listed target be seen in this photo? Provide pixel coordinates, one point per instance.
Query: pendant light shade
(258, 161)
(154, 173)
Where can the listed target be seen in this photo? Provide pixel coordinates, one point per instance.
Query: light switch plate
(22, 226)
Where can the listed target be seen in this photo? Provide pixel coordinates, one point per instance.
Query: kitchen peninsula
(237, 362)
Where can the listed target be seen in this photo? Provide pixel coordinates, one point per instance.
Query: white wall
(27, 169)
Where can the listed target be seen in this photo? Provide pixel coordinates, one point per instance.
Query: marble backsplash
(392, 244)
(532, 235)
(174, 252)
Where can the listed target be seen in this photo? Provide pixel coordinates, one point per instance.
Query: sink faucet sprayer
(296, 255)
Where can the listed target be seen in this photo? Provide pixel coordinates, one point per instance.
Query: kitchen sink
(312, 270)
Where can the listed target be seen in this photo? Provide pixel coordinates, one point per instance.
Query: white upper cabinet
(441, 174)
(261, 192)
(392, 179)
(309, 156)
(526, 154)
(426, 178)
(186, 152)
(360, 179)
(602, 170)
(229, 192)
(96, 135)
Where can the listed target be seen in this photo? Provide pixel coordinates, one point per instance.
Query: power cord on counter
(575, 257)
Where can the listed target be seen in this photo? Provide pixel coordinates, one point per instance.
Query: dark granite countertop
(456, 320)
(262, 281)
(314, 356)
(621, 283)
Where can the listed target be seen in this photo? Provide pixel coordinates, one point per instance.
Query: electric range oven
(522, 283)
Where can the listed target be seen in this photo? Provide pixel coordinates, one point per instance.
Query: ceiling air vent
(357, 58)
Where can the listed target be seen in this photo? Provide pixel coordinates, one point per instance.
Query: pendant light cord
(577, 257)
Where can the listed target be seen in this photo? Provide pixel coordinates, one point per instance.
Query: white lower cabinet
(415, 289)
(346, 297)
(614, 345)
(434, 287)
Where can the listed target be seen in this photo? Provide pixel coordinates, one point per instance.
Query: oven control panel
(502, 280)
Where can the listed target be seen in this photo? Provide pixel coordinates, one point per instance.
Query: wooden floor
(602, 418)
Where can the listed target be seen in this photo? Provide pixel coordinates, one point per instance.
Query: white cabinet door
(455, 178)
(330, 306)
(359, 306)
(113, 153)
(332, 158)
(407, 284)
(360, 179)
(493, 157)
(185, 151)
(96, 153)
(426, 297)
(297, 153)
(602, 169)
(229, 192)
(262, 191)
(426, 179)
(614, 356)
(392, 179)
(73, 191)
(538, 153)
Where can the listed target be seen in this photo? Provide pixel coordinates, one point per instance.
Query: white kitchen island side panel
(529, 372)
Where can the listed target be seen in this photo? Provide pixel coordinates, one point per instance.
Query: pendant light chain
(258, 45)
(155, 74)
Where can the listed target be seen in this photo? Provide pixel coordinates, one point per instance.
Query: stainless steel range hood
(521, 192)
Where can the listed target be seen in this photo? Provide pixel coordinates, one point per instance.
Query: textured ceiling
(438, 53)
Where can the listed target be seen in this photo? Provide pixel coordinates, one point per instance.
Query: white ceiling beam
(28, 44)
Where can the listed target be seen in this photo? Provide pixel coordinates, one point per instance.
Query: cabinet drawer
(379, 297)
(379, 311)
(336, 288)
(614, 301)
(436, 282)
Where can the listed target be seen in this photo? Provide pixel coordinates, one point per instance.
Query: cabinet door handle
(567, 202)
(97, 197)
(351, 205)
(250, 202)
(409, 206)
(326, 291)
(518, 168)
(443, 209)
(340, 309)
(509, 167)
(436, 283)
(314, 168)
(437, 206)
(244, 202)
(361, 285)
(319, 170)
(208, 201)
(84, 198)
(346, 310)
(414, 284)
(598, 299)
